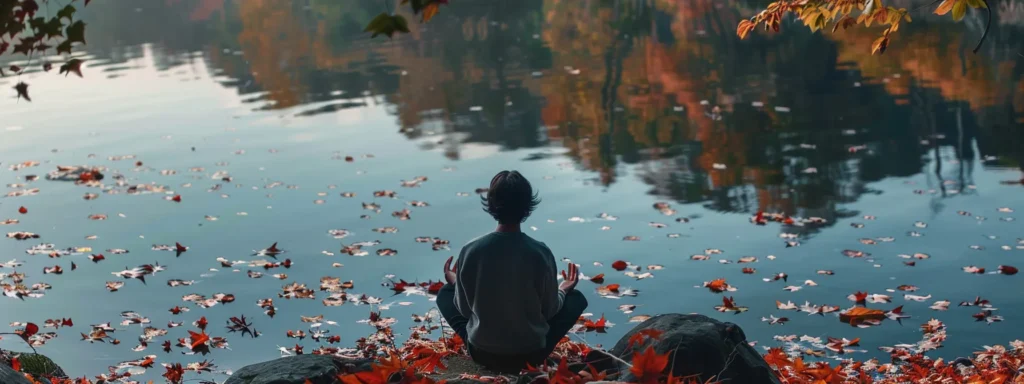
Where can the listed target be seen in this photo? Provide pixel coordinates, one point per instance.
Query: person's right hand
(449, 271)
(571, 278)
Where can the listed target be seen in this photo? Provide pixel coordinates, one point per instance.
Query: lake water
(606, 106)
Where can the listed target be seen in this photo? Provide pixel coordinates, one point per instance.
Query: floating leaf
(72, 66)
(22, 90)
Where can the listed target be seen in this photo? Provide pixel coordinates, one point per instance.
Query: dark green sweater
(507, 287)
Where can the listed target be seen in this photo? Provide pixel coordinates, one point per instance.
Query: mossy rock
(40, 366)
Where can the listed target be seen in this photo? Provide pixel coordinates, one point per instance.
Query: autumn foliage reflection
(664, 87)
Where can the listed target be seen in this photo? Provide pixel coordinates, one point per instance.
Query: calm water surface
(607, 106)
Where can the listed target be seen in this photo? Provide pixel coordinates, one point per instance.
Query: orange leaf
(717, 285)
(198, 338)
(945, 7)
(429, 11)
(15, 364)
(647, 366)
(388, 366)
(744, 28)
(880, 45)
(857, 315)
(777, 358)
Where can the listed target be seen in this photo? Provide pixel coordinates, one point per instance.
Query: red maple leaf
(202, 323)
(563, 375)
(639, 337)
(173, 373)
(198, 339)
(427, 360)
(365, 377)
(777, 358)
(30, 329)
(598, 325)
(648, 366)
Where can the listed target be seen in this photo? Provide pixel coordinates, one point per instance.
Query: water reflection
(659, 90)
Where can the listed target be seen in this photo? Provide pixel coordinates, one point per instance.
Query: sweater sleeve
(464, 279)
(551, 297)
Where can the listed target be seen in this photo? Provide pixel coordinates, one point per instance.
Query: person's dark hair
(510, 198)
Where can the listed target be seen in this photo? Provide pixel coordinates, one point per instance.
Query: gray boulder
(701, 346)
(10, 376)
(318, 369)
(40, 366)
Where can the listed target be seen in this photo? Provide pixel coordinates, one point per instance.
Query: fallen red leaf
(22, 210)
(619, 265)
(173, 373)
(648, 366)
(639, 337)
(201, 323)
(198, 339)
(598, 325)
(30, 330)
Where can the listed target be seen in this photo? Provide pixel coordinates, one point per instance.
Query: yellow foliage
(817, 14)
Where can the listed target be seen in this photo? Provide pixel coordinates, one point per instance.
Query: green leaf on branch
(67, 12)
(24, 46)
(53, 28)
(76, 32)
(385, 24)
(64, 47)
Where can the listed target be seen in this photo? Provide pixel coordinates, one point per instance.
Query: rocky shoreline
(696, 345)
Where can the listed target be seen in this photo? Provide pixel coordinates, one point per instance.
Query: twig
(20, 337)
(732, 356)
(987, 25)
(926, 5)
(616, 358)
(675, 350)
(441, 338)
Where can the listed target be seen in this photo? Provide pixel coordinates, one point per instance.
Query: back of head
(510, 199)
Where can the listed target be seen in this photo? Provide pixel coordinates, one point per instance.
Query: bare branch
(988, 24)
(22, 338)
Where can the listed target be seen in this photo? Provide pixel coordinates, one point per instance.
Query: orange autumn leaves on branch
(818, 14)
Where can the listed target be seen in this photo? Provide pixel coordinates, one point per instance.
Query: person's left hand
(570, 279)
(449, 271)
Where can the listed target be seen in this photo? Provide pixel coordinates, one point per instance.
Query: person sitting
(502, 295)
